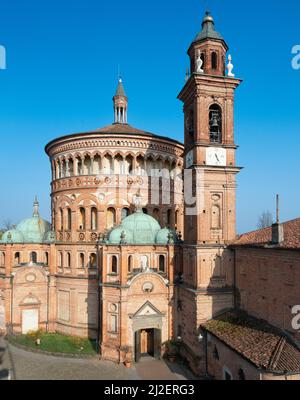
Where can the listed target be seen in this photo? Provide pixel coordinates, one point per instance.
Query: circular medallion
(81, 237)
(148, 287)
(113, 307)
(30, 278)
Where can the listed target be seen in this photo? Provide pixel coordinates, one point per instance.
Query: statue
(170, 238)
(230, 67)
(137, 200)
(123, 238)
(199, 64)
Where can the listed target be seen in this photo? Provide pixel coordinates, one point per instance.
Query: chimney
(277, 228)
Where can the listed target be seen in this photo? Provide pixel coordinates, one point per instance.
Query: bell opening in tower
(215, 124)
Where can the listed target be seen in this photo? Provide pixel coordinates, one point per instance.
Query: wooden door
(137, 346)
(157, 344)
(147, 342)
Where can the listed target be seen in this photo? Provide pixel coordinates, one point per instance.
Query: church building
(130, 261)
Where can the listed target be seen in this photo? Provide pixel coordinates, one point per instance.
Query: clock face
(216, 156)
(189, 159)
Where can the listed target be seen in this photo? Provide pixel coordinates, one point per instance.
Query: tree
(7, 225)
(265, 220)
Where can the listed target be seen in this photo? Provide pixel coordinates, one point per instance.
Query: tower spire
(120, 104)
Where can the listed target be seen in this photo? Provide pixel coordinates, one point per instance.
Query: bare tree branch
(265, 220)
(7, 224)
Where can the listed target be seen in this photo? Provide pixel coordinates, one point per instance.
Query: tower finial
(36, 205)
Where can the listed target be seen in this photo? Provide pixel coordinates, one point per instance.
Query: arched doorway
(147, 326)
(147, 344)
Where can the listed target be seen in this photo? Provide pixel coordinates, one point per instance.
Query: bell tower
(210, 164)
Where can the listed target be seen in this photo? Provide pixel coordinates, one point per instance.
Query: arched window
(203, 60)
(110, 218)
(128, 164)
(215, 217)
(114, 265)
(150, 166)
(156, 214)
(33, 257)
(2, 261)
(71, 167)
(93, 261)
(130, 264)
(107, 165)
(145, 211)
(176, 218)
(64, 169)
(119, 165)
(87, 165)
(215, 123)
(191, 123)
(242, 376)
(162, 263)
(17, 258)
(97, 164)
(60, 259)
(94, 219)
(69, 219)
(140, 162)
(125, 213)
(214, 60)
(46, 258)
(61, 219)
(81, 261)
(169, 215)
(69, 260)
(79, 166)
(82, 218)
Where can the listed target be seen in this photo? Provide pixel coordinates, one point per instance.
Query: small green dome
(115, 236)
(30, 230)
(139, 228)
(12, 236)
(164, 236)
(34, 229)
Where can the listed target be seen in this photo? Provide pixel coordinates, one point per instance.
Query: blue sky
(62, 63)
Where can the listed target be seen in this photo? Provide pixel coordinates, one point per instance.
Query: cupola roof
(208, 30)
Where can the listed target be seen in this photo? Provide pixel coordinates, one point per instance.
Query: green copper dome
(138, 228)
(30, 230)
(12, 236)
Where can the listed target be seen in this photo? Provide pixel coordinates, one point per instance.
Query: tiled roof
(263, 237)
(259, 342)
(123, 129)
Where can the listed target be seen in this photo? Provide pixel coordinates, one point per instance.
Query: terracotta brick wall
(268, 283)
